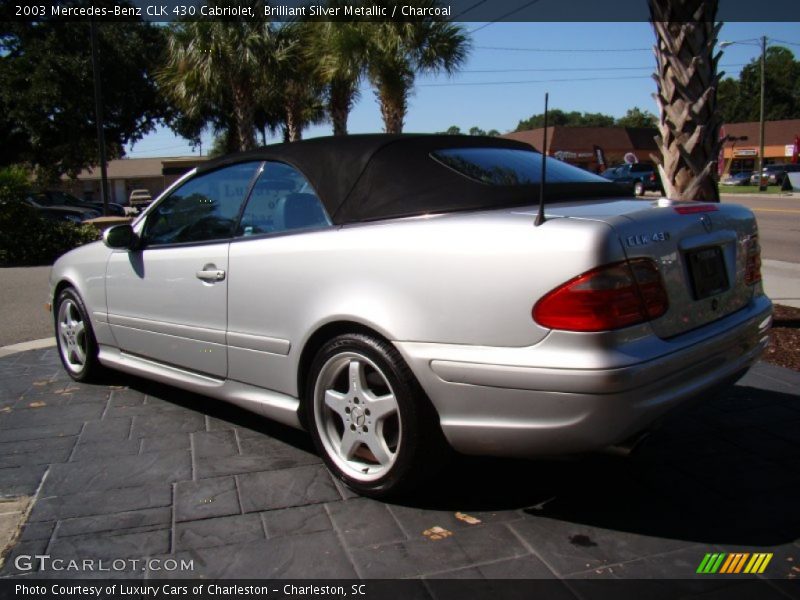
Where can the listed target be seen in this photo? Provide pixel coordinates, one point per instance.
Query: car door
(271, 258)
(167, 300)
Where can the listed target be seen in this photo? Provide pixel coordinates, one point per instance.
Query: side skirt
(273, 405)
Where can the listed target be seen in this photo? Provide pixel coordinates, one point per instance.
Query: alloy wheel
(357, 416)
(73, 341)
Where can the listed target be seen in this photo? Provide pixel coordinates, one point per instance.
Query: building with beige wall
(128, 174)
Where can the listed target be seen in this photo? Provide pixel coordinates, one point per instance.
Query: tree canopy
(635, 117)
(47, 112)
(558, 117)
(739, 99)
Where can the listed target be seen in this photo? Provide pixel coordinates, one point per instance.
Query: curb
(24, 346)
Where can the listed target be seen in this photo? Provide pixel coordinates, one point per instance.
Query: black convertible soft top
(380, 176)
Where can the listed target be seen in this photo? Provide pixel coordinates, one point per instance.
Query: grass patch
(748, 189)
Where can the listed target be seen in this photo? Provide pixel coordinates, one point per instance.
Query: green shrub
(14, 183)
(25, 237)
(28, 239)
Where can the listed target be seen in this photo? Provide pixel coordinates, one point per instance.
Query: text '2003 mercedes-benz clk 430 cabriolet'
(392, 293)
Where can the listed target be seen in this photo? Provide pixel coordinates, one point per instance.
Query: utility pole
(98, 111)
(762, 186)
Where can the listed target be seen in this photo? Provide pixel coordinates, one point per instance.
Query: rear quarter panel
(456, 279)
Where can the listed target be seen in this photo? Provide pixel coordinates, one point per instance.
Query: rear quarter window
(505, 166)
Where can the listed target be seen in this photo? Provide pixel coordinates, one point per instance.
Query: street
(778, 223)
(23, 294)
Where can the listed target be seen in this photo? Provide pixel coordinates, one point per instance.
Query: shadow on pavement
(723, 472)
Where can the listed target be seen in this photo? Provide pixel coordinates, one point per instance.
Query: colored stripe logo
(735, 562)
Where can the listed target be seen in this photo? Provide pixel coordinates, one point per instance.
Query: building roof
(579, 139)
(776, 133)
(140, 168)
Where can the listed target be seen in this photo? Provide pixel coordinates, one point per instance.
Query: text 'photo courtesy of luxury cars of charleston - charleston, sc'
(167, 590)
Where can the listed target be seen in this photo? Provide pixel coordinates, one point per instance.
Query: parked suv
(775, 174)
(140, 198)
(640, 176)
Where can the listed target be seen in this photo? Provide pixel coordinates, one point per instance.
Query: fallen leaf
(38, 404)
(7, 409)
(39, 383)
(542, 504)
(437, 533)
(467, 518)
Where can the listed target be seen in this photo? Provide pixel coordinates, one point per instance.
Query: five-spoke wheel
(74, 336)
(368, 416)
(356, 408)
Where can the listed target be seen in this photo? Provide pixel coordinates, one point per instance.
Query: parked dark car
(775, 174)
(60, 212)
(741, 178)
(779, 173)
(641, 177)
(59, 198)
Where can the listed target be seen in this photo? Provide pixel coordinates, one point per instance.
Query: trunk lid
(700, 249)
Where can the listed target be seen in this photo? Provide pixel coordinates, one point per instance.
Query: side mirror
(120, 237)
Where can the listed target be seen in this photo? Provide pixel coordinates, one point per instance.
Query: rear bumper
(520, 409)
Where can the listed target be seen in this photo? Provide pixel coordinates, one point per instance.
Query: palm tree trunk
(244, 115)
(340, 102)
(393, 101)
(294, 129)
(687, 81)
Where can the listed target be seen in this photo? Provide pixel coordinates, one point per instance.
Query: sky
(587, 67)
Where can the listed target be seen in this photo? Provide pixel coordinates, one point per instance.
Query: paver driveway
(134, 469)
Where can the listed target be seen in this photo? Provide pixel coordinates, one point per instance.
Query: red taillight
(691, 209)
(752, 267)
(608, 297)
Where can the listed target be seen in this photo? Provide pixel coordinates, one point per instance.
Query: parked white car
(140, 199)
(392, 294)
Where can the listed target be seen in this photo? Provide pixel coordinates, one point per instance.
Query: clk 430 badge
(642, 239)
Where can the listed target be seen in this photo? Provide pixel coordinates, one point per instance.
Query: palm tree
(216, 71)
(396, 51)
(339, 51)
(687, 79)
(296, 84)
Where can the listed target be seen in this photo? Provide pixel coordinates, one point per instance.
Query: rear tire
(638, 189)
(77, 346)
(370, 419)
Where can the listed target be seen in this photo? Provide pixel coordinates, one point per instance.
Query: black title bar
(382, 10)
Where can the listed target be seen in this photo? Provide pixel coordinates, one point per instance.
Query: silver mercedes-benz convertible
(392, 294)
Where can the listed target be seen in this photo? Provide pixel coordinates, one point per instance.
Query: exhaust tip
(628, 446)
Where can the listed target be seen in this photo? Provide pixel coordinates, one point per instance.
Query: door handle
(210, 274)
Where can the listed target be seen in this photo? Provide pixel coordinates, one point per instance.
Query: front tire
(77, 346)
(369, 418)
